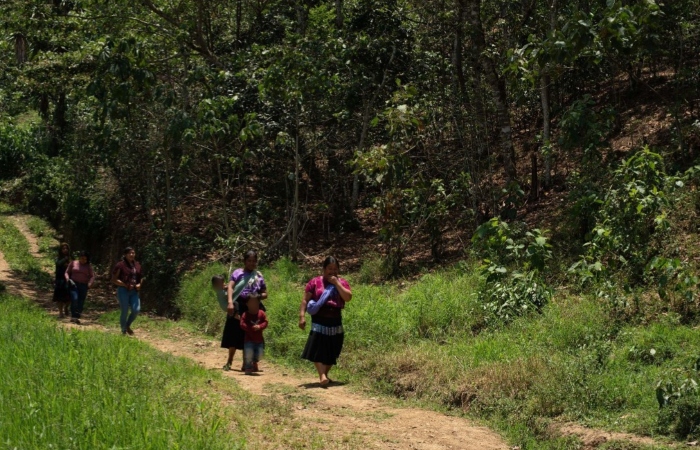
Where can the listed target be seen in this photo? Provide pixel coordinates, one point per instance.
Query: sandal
(227, 367)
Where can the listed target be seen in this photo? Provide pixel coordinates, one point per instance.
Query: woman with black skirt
(244, 283)
(61, 291)
(325, 340)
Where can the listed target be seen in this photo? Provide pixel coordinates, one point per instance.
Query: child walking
(253, 322)
(232, 329)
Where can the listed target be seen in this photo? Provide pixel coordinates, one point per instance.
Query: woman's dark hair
(127, 250)
(60, 249)
(85, 254)
(330, 260)
(250, 254)
(216, 278)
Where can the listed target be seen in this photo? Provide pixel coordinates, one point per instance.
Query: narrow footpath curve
(334, 410)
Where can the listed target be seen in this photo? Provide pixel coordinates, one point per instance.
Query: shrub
(632, 212)
(18, 147)
(374, 269)
(679, 403)
(512, 270)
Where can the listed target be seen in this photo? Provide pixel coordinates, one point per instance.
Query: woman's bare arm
(302, 310)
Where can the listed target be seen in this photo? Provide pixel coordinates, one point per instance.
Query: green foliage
(677, 284)
(431, 341)
(94, 389)
(678, 395)
(584, 127)
(87, 208)
(46, 186)
(632, 214)
(512, 269)
(18, 148)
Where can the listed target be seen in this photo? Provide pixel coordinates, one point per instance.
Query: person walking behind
(325, 298)
(61, 291)
(80, 276)
(245, 283)
(127, 276)
(253, 322)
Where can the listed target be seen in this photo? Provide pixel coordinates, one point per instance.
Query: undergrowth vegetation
(16, 250)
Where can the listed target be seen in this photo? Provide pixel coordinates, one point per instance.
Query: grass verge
(16, 250)
(66, 389)
(48, 245)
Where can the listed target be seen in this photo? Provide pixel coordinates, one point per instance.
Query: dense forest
(193, 128)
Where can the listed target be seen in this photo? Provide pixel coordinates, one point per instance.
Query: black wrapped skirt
(61, 291)
(325, 341)
(233, 334)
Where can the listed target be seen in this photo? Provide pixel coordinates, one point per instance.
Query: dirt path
(334, 411)
(338, 411)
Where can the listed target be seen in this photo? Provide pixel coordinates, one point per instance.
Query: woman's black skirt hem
(233, 334)
(61, 293)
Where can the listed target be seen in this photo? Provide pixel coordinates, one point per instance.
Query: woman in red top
(80, 276)
(325, 340)
(127, 276)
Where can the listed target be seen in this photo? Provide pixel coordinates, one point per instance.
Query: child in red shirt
(253, 322)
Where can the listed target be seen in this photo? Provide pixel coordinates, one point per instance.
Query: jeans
(252, 352)
(128, 299)
(78, 294)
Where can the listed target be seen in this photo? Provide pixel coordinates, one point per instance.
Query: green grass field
(91, 390)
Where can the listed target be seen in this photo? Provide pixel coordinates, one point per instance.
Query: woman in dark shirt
(325, 340)
(127, 276)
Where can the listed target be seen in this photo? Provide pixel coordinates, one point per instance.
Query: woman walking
(127, 276)
(61, 291)
(80, 276)
(244, 283)
(324, 299)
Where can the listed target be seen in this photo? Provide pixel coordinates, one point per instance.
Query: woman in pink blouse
(80, 276)
(325, 340)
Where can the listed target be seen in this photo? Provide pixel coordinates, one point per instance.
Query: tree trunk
(223, 192)
(168, 193)
(339, 14)
(295, 212)
(545, 81)
(302, 17)
(20, 48)
(457, 55)
(239, 11)
(534, 183)
(498, 90)
(546, 128)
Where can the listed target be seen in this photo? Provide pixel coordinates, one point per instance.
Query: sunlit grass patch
(48, 245)
(16, 250)
(83, 389)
